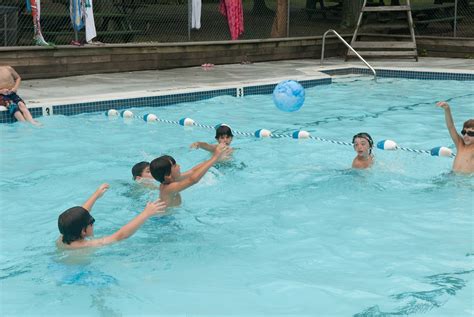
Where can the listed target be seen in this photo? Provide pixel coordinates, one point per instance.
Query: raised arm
(190, 172)
(457, 139)
(205, 146)
(130, 228)
(198, 171)
(96, 195)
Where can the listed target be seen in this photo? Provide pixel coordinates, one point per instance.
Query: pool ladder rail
(349, 47)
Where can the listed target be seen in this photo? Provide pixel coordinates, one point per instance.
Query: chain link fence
(165, 21)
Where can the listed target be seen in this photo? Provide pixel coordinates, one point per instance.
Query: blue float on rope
(441, 151)
(262, 133)
(111, 113)
(387, 145)
(301, 134)
(149, 117)
(126, 114)
(186, 122)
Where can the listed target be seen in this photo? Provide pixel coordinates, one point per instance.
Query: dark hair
(161, 167)
(223, 130)
(72, 221)
(138, 168)
(469, 124)
(366, 136)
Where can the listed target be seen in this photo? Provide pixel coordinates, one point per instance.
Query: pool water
(285, 228)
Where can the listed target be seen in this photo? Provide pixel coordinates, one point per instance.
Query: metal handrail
(349, 47)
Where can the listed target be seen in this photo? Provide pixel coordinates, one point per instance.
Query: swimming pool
(286, 228)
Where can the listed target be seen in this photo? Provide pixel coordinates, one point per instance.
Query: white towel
(90, 24)
(196, 14)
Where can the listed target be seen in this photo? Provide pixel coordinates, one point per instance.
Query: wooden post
(280, 26)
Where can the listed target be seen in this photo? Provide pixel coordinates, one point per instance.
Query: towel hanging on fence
(90, 24)
(196, 14)
(233, 10)
(34, 6)
(77, 12)
(82, 14)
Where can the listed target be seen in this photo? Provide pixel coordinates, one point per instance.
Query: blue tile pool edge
(154, 101)
(165, 100)
(398, 73)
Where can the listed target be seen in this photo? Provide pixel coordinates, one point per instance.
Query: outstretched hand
(222, 151)
(102, 189)
(195, 145)
(443, 104)
(155, 207)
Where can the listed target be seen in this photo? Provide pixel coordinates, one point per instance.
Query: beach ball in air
(288, 96)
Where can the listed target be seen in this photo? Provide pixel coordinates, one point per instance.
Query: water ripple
(423, 301)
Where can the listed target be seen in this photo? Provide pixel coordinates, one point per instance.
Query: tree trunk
(279, 28)
(350, 12)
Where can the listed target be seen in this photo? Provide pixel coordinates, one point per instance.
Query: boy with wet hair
(141, 171)
(141, 174)
(76, 223)
(464, 160)
(223, 136)
(9, 84)
(363, 145)
(165, 170)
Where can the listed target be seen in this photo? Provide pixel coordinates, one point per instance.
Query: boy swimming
(141, 171)
(142, 176)
(165, 170)
(76, 224)
(223, 136)
(464, 160)
(363, 145)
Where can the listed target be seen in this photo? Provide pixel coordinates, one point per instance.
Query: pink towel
(234, 12)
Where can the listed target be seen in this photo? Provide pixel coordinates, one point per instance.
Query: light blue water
(288, 228)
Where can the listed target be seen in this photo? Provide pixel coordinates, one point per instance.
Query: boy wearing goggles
(464, 160)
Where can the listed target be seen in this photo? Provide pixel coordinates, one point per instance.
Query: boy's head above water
(74, 224)
(141, 170)
(363, 143)
(164, 169)
(468, 132)
(224, 134)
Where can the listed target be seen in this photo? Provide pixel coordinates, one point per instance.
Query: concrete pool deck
(39, 92)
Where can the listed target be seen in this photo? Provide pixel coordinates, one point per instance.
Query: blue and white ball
(288, 96)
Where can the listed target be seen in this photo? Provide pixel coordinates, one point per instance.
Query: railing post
(455, 24)
(349, 47)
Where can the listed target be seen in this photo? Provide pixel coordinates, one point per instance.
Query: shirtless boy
(464, 160)
(165, 170)
(9, 83)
